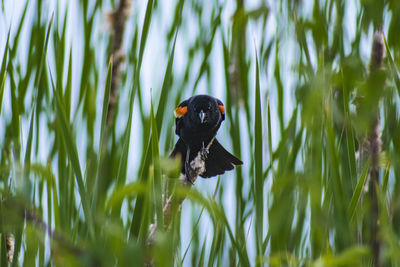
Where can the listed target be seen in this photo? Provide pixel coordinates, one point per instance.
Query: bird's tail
(219, 160)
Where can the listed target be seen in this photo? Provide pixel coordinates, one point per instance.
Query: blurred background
(311, 93)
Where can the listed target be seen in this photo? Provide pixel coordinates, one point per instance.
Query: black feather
(219, 160)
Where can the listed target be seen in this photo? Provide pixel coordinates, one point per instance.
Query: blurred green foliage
(295, 77)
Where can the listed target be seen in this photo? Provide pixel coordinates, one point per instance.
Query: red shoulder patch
(222, 108)
(180, 111)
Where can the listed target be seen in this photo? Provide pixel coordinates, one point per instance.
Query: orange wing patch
(222, 108)
(180, 111)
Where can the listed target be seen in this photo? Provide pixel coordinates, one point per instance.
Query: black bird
(197, 121)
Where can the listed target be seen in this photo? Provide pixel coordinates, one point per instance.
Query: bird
(197, 121)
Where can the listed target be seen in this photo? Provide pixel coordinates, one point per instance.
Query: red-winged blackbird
(197, 121)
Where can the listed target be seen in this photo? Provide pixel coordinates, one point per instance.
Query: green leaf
(43, 53)
(166, 86)
(359, 189)
(106, 99)
(385, 181)
(123, 192)
(2, 83)
(270, 135)
(352, 256)
(5, 54)
(395, 73)
(279, 86)
(18, 34)
(3, 251)
(157, 190)
(258, 167)
(73, 155)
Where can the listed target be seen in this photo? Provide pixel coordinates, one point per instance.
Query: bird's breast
(194, 138)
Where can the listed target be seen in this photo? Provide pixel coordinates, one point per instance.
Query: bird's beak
(202, 116)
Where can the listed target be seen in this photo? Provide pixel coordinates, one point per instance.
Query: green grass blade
(18, 34)
(351, 153)
(123, 192)
(106, 99)
(258, 168)
(385, 180)
(270, 135)
(202, 254)
(145, 32)
(393, 67)
(198, 221)
(2, 83)
(29, 143)
(243, 257)
(147, 209)
(165, 89)
(43, 53)
(73, 155)
(68, 87)
(279, 87)
(339, 198)
(157, 185)
(359, 189)
(3, 253)
(5, 54)
(27, 162)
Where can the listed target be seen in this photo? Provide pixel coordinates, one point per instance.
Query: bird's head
(199, 113)
(205, 111)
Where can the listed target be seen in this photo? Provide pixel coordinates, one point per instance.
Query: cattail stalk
(377, 56)
(371, 148)
(10, 245)
(117, 18)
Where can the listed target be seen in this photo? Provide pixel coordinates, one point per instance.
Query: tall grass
(87, 93)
